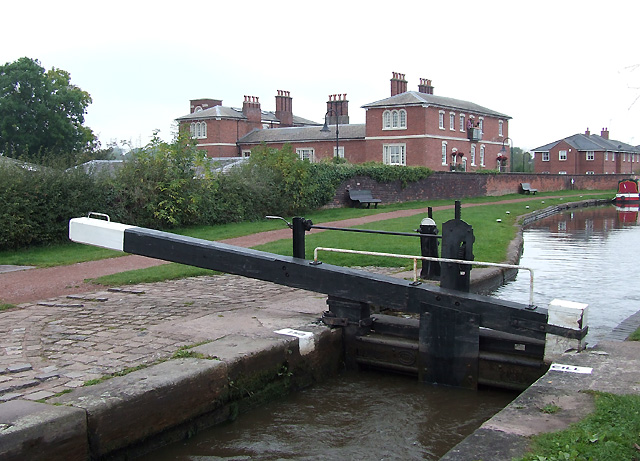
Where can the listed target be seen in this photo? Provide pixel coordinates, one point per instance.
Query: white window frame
(481, 124)
(473, 155)
(613, 156)
(452, 121)
(394, 120)
(482, 152)
(462, 123)
(340, 151)
(562, 172)
(590, 172)
(394, 154)
(562, 155)
(545, 156)
(454, 154)
(606, 155)
(441, 120)
(590, 155)
(306, 153)
(403, 119)
(444, 152)
(198, 130)
(246, 153)
(500, 128)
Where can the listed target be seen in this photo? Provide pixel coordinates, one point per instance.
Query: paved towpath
(36, 284)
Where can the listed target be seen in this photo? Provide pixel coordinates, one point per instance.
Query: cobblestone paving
(59, 344)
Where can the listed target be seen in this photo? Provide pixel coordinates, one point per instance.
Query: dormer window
(394, 119)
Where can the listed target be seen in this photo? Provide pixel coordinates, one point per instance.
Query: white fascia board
(97, 232)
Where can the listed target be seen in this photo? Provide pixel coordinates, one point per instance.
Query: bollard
(300, 226)
(457, 243)
(565, 314)
(429, 247)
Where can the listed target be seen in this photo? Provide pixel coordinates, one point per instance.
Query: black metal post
(326, 128)
(300, 225)
(429, 247)
(457, 243)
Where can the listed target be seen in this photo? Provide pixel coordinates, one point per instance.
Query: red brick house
(217, 128)
(414, 128)
(587, 154)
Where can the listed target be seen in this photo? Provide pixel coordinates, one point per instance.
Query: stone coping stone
(124, 410)
(615, 369)
(124, 413)
(36, 431)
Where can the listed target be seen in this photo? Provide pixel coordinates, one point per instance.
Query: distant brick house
(414, 128)
(217, 128)
(587, 154)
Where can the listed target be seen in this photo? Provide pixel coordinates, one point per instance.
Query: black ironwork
(429, 247)
(446, 352)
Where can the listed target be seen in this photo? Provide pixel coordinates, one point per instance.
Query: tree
(41, 112)
(521, 160)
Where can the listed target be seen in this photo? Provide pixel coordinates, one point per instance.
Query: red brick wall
(448, 185)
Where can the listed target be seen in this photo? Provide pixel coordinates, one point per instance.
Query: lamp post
(503, 153)
(325, 128)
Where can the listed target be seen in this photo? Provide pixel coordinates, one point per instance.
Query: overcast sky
(556, 67)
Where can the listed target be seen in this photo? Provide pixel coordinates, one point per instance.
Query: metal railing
(429, 258)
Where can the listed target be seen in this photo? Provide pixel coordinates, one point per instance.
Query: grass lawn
(490, 245)
(610, 433)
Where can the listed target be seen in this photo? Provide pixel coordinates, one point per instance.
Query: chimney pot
(284, 111)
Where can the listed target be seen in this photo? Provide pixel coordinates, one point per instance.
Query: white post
(566, 314)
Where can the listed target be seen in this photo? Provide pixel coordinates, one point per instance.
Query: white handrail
(430, 258)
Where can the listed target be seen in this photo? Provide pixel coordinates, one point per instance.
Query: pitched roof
(303, 133)
(583, 142)
(236, 113)
(414, 98)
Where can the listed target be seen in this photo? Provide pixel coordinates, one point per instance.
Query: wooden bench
(363, 196)
(527, 189)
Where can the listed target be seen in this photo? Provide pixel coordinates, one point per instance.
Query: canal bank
(111, 414)
(611, 366)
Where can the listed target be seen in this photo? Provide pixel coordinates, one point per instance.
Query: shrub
(156, 186)
(37, 203)
(165, 185)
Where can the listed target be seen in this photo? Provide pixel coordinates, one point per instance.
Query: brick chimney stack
(425, 86)
(587, 133)
(398, 84)
(605, 133)
(338, 109)
(284, 111)
(251, 110)
(203, 104)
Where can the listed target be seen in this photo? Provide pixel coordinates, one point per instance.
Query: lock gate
(454, 338)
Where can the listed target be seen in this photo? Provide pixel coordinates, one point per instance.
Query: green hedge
(166, 185)
(36, 204)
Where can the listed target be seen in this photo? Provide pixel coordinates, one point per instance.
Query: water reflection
(586, 255)
(359, 416)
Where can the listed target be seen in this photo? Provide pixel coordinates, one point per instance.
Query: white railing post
(566, 314)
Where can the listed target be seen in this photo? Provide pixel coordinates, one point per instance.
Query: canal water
(586, 255)
(357, 416)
